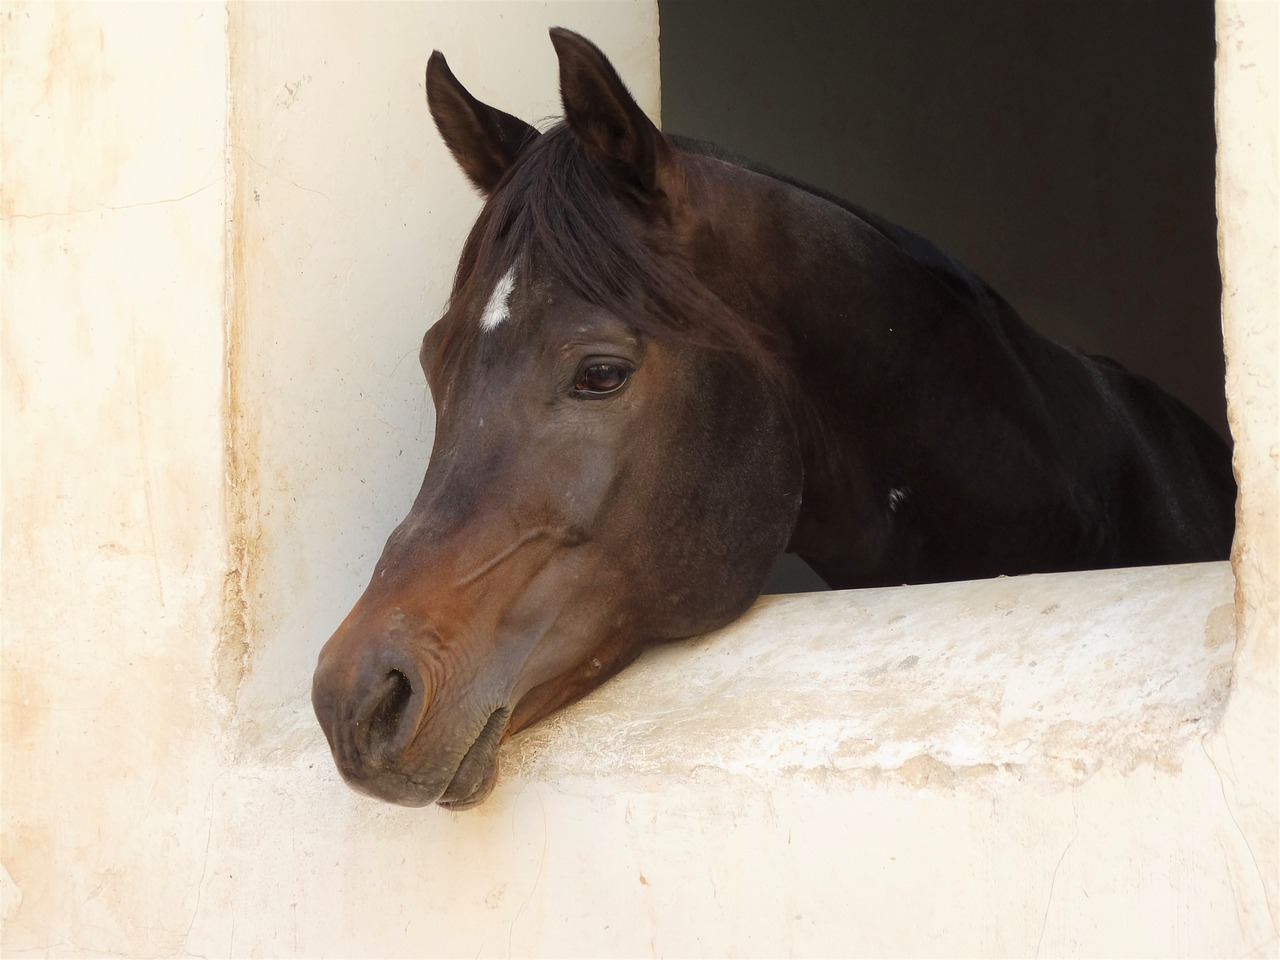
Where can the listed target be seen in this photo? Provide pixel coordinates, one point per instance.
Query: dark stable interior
(1063, 151)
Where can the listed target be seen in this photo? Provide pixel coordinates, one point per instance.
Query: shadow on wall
(1025, 139)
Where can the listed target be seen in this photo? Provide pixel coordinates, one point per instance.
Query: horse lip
(481, 758)
(478, 796)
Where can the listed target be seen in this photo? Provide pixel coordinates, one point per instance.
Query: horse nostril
(386, 719)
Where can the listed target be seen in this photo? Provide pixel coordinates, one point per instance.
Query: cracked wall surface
(223, 234)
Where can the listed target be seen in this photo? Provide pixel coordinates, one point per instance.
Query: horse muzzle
(393, 735)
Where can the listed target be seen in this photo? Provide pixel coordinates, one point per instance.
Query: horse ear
(485, 141)
(606, 118)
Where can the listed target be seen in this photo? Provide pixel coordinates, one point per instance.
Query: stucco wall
(1002, 768)
(1249, 230)
(177, 547)
(113, 159)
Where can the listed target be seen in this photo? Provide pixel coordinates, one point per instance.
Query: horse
(660, 368)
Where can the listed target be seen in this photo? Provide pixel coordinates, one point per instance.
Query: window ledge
(1046, 678)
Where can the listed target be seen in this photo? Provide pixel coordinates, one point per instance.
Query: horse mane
(971, 289)
(556, 207)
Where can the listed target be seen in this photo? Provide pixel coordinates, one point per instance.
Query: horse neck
(887, 357)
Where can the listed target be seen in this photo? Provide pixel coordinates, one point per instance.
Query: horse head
(613, 464)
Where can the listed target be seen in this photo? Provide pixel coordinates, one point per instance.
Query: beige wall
(1247, 744)
(113, 158)
(165, 790)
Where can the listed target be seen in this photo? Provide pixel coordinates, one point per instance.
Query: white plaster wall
(1248, 742)
(1011, 767)
(1056, 772)
(112, 198)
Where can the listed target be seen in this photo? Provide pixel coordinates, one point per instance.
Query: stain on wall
(244, 534)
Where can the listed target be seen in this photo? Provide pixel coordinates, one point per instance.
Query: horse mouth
(477, 773)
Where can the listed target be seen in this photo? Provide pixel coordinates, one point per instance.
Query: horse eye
(600, 378)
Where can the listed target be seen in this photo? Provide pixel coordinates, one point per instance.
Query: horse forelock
(557, 215)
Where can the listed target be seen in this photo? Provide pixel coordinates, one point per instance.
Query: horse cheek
(737, 503)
